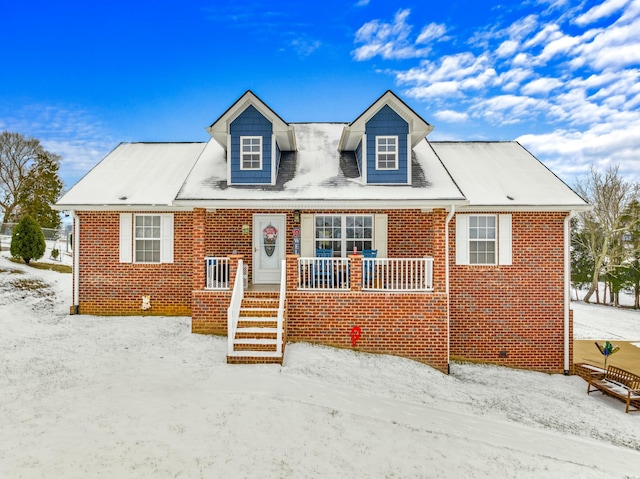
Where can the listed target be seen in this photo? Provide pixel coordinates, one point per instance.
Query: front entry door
(268, 248)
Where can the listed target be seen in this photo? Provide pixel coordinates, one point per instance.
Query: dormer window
(387, 153)
(251, 152)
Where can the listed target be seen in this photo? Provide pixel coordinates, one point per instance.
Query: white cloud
(507, 48)
(577, 87)
(541, 86)
(433, 31)
(391, 40)
(304, 48)
(362, 3)
(605, 9)
(436, 90)
(451, 116)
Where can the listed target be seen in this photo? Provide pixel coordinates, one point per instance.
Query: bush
(27, 240)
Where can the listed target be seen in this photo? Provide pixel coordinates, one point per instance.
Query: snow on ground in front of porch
(140, 397)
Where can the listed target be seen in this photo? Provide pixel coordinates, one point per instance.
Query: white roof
(149, 174)
(504, 174)
(184, 175)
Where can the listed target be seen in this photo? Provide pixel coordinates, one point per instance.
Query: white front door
(268, 247)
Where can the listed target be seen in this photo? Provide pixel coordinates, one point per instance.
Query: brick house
(361, 234)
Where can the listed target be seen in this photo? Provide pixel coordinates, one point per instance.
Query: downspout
(76, 264)
(446, 281)
(567, 288)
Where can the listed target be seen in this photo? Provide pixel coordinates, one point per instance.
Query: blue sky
(560, 76)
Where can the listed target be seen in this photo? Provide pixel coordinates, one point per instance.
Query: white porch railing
(217, 273)
(397, 274)
(233, 312)
(283, 292)
(323, 273)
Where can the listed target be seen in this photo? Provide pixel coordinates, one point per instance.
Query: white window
(340, 233)
(146, 238)
(250, 152)
(386, 152)
(483, 239)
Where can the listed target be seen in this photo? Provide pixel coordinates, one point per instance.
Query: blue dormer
(253, 136)
(382, 139)
(251, 144)
(387, 158)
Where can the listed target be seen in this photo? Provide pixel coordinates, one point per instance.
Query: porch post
(198, 248)
(355, 261)
(439, 250)
(292, 272)
(233, 269)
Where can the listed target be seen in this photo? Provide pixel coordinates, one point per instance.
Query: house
(361, 234)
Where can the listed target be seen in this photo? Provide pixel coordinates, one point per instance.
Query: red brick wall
(108, 287)
(411, 325)
(519, 308)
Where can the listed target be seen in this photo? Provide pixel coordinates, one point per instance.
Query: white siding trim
(229, 158)
(307, 228)
(504, 240)
(166, 238)
(409, 150)
(274, 160)
(462, 239)
(365, 160)
(380, 226)
(126, 237)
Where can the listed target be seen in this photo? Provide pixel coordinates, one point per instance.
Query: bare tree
(610, 197)
(17, 153)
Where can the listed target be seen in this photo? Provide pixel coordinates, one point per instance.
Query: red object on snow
(356, 332)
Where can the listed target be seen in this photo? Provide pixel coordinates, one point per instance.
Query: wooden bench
(618, 383)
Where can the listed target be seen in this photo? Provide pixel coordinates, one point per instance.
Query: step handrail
(281, 300)
(233, 312)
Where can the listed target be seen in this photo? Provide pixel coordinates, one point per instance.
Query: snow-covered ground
(141, 397)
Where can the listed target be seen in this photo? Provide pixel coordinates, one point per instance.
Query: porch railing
(397, 274)
(323, 273)
(233, 312)
(217, 273)
(281, 303)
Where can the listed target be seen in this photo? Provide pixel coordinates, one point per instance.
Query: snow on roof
(503, 173)
(475, 174)
(135, 174)
(319, 175)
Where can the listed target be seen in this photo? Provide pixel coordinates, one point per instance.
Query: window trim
(395, 153)
(127, 239)
(242, 153)
(504, 239)
(343, 232)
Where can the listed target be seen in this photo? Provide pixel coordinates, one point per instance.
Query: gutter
(446, 282)
(567, 289)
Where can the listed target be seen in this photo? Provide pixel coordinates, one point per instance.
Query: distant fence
(60, 237)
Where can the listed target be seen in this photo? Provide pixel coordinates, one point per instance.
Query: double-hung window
(482, 239)
(147, 238)
(341, 233)
(386, 152)
(251, 152)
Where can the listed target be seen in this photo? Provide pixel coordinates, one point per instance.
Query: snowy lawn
(140, 397)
